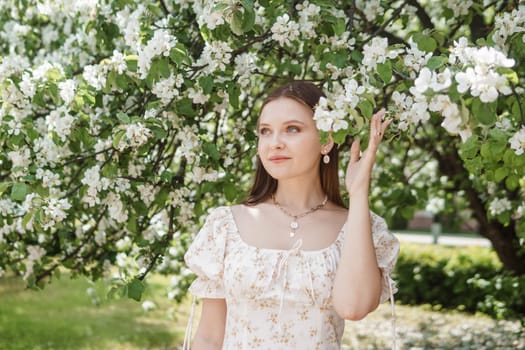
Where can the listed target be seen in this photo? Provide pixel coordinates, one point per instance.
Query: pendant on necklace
(292, 234)
(294, 224)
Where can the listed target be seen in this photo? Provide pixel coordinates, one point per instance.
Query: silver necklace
(294, 225)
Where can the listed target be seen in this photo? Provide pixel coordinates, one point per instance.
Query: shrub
(467, 278)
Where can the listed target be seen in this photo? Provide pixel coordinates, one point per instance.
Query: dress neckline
(278, 250)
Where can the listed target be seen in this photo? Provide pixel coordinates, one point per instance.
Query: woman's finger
(385, 125)
(354, 151)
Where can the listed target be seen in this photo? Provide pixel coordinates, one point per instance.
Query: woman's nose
(277, 141)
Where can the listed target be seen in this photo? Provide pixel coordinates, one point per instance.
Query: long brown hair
(264, 185)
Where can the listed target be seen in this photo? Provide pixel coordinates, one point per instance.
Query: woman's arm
(210, 332)
(357, 285)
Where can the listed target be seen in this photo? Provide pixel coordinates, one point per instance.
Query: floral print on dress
(276, 299)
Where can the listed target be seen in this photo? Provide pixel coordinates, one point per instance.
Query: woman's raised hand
(359, 169)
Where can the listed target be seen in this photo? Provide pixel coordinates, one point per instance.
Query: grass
(63, 317)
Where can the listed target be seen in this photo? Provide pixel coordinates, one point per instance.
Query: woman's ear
(327, 147)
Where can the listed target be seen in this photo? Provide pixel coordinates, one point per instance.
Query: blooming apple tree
(121, 122)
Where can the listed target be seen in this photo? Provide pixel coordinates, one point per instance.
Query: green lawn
(62, 317)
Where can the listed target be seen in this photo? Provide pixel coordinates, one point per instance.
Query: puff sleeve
(387, 249)
(205, 256)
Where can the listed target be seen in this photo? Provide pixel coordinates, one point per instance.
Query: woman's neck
(299, 196)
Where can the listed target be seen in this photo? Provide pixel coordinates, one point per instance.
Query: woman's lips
(278, 159)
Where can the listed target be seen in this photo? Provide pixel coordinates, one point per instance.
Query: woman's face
(289, 144)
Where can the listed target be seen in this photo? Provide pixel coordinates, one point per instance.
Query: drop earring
(326, 159)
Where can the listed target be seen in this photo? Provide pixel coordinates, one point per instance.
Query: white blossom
(60, 121)
(100, 237)
(129, 25)
(35, 252)
(517, 141)
(327, 119)
(148, 305)
(165, 89)
(285, 30)
(415, 58)
(197, 95)
(207, 15)
(124, 243)
(377, 52)
(95, 76)
(136, 134)
(117, 62)
(116, 208)
(27, 86)
(147, 193)
(371, 8)
(67, 90)
(215, 56)
(508, 23)
(352, 92)
(20, 158)
(460, 7)
(498, 206)
(308, 16)
(159, 45)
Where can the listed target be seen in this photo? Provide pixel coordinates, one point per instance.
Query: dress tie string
(393, 307)
(187, 335)
(283, 268)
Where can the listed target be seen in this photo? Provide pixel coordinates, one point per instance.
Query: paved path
(443, 239)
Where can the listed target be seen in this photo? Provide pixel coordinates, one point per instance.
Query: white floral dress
(276, 299)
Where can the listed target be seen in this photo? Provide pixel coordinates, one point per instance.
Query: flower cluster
(481, 75)
(377, 51)
(507, 24)
(285, 30)
(517, 141)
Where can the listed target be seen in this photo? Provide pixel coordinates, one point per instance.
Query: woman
(285, 268)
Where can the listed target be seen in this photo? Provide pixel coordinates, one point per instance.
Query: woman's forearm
(357, 285)
(202, 343)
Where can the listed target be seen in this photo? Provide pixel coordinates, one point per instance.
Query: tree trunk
(504, 239)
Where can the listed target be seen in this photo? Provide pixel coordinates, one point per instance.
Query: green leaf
(185, 107)
(159, 132)
(339, 26)
(512, 182)
(135, 289)
(110, 170)
(366, 108)
(500, 174)
(385, 71)
(237, 22)
(249, 15)
(425, 42)
(19, 191)
(220, 6)
(179, 54)
(486, 151)
(118, 137)
(4, 186)
(483, 113)
(211, 150)
(123, 117)
(206, 84)
(132, 62)
(230, 191)
(436, 62)
(132, 224)
(26, 218)
(470, 148)
(233, 94)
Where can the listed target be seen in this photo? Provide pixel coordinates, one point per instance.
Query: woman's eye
(264, 131)
(293, 129)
